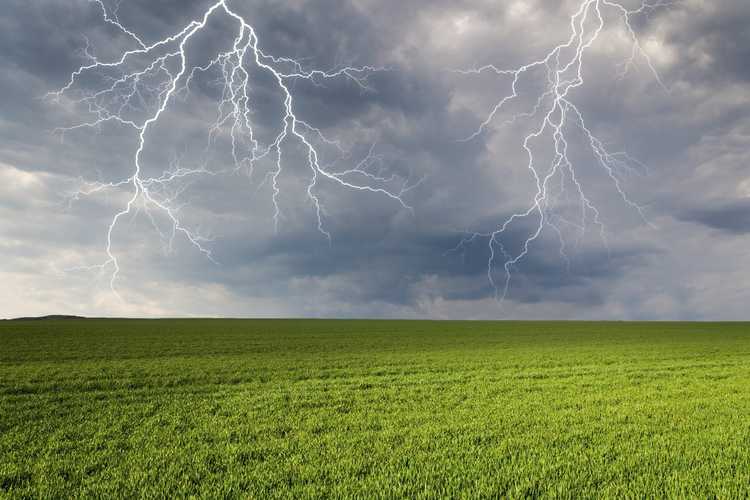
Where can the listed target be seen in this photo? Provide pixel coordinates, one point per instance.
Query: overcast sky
(685, 257)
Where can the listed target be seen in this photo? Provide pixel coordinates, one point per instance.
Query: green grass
(373, 408)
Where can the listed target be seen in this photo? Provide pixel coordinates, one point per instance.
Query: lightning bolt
(151, 76)
(555, 115)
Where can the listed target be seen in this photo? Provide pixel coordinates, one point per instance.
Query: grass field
(229, 408)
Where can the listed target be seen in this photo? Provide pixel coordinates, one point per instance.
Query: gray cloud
(384, 260)
(732, 217)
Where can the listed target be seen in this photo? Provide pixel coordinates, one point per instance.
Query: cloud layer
(383, 260)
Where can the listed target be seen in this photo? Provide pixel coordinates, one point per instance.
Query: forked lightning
(158, 73)
(553, 117)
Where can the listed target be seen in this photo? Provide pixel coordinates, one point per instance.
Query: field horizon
(67, 317)
(308, 408)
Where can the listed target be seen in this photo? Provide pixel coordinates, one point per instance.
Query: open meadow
(297, 408)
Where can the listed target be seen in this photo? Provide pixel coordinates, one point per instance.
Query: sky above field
(664, 236)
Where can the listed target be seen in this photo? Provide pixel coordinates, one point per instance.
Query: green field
(232, 408)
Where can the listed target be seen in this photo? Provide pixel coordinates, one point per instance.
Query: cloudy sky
(673, 247)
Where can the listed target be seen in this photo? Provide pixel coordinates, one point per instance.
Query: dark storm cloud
(384, 260)
(386, 267)
(713, 39)
(732, 217)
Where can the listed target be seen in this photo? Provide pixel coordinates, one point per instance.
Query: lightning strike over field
(554, 118)
(136, 88)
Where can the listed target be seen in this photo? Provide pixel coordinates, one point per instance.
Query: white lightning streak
(164, 76)
(556, 115)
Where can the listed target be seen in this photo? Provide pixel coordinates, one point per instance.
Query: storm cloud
(684, 258)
